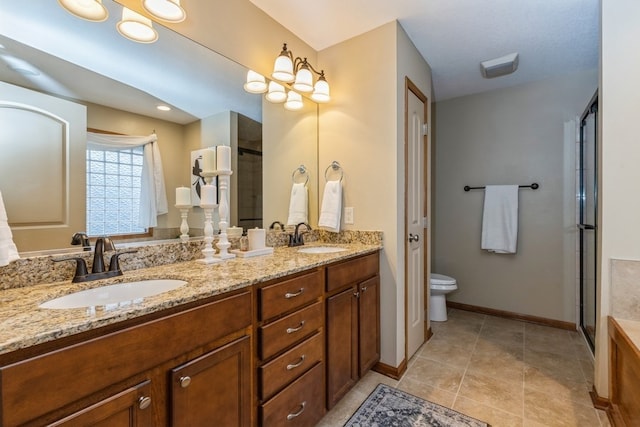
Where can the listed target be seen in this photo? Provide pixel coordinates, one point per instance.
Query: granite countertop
(24, 324)
(632, 329)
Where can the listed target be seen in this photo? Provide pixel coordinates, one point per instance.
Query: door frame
(411, 87)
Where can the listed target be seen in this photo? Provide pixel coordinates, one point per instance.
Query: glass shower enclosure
(588, 219)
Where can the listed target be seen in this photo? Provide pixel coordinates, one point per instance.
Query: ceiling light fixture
(91, 10)
(136, 27)
(500, 66)
(163, 107)
(165, 10)
(288, 69)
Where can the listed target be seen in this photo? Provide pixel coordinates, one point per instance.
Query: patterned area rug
(390, 407)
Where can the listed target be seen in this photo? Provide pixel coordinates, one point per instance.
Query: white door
(415, 214)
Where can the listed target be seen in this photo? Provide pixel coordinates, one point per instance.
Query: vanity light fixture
(136, 27)
(294, 101)
(91, 10)
(165, 10)
(256, 83)
(299, 71)
(276, 93)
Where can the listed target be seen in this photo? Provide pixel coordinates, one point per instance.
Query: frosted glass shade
(91, 10)
(276, 93)
(304, 80)
(136, 27)
(166, 10)
(294, 101)
(321, 91)
(256, 83)
(283, 69)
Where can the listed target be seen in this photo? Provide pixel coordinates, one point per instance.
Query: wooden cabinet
(352, 324)
(105, 376)
(215, 386)
(624, 385)
(290, 353)
(131, 407)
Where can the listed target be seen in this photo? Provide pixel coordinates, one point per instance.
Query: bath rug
(389, 407)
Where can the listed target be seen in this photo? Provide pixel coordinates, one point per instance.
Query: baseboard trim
(515, 316)
(598, 401)
(390, 371)
(428, 335)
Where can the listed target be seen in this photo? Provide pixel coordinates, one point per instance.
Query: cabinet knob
(144, 402)
(295, 365)
(356, 294)
(297, 414)
(185, 381)
(363, 288)
(293, 294)
(296, 329)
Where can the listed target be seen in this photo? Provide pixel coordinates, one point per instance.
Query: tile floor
(505, 372)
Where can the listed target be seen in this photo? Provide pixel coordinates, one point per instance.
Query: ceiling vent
(500, 66)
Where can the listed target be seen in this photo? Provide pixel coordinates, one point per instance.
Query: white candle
(208, 196)
(183, 196)
(224, 158)
(209, 160)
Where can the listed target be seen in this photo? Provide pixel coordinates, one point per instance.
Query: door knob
(414, 238)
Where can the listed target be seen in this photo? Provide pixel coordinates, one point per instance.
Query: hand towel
(331, 206)
(500, 219)
(8, 250)
(298, 204)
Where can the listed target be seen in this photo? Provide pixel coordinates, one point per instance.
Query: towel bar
(533, 186)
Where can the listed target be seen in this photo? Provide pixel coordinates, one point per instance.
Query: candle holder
(224, 177)
(184, 226)
(208, 250)
(208, 176)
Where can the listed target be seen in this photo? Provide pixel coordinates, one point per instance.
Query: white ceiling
(552, 36)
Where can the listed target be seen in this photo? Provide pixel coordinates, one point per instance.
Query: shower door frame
(583, 227)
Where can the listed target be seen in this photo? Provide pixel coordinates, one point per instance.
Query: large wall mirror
(115, 85)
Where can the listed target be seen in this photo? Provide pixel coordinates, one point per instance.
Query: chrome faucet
(97, 268)
(296, 239)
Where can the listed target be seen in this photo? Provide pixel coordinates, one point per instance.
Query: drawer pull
(185, 381)
(292, 330)
(297, 414)
(295, 365)
(294, 294)
(144, 402)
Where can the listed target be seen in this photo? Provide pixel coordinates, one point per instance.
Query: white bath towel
(298, 204)
(331, 206)
(500, 219)
(8, 250)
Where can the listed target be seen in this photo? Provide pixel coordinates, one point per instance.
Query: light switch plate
(348, 215)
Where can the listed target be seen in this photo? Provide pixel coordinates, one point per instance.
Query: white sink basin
(321, 250)
(113, 294)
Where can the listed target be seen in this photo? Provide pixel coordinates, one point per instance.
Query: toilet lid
(441, 279)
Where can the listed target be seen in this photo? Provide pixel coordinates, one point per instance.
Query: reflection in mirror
(116, 88)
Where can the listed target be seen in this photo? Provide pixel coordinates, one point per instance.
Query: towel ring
(300, 171)
(335, 166)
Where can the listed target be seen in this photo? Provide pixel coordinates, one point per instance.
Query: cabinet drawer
(289, 294)
(66, 375)
(280, 371)
(352, 271)
(284, 332)
(299, 405)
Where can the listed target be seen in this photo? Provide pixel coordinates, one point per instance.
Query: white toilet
(440, 285)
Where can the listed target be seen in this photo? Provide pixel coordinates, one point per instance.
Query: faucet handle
(114, 264)
(81, 267)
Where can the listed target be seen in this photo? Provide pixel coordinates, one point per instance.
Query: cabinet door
(131, 407)
(342, 344)
(369, 324)
(213, 389)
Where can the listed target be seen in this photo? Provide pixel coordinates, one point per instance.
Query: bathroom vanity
(256, 342)
(624, 364)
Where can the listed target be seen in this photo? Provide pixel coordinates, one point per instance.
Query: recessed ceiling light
(163, 108)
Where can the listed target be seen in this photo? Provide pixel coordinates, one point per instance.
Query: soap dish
(256, 252)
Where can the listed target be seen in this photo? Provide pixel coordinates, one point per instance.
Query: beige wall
(620, 157)
(362, 128)
(509, 136)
